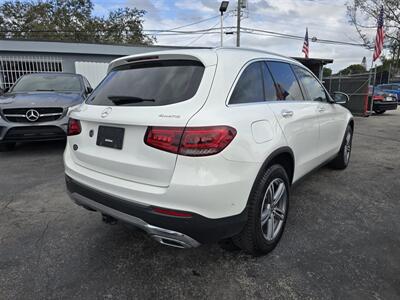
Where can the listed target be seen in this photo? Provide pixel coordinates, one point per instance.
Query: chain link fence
(356, 86)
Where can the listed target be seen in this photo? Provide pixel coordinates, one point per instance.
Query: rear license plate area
(111, 137)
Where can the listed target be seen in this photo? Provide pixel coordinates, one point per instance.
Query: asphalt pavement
(342, 240)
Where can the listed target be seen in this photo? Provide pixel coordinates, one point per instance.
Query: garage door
(93, 71)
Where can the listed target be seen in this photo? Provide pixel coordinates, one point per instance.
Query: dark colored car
(391, 88)
(383, 100)
(35, 107)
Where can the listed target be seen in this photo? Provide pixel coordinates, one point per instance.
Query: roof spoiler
(159, 56)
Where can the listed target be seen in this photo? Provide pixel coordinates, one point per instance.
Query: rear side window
(249, 87)
(149, 84)
(269, 85)
(315, 91)
(287, 87)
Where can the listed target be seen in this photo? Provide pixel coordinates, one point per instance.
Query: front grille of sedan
(33, 115)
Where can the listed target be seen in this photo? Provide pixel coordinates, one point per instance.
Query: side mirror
(89, 90)
(340, 98)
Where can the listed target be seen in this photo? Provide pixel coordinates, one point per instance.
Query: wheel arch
(351, 123)
(283, 156)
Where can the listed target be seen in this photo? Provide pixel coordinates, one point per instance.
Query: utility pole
(222, 30)
(222, 9)
(239, 6)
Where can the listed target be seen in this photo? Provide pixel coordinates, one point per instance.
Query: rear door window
(149, 84)
(249, 88)
(269, 85)
(287, 87)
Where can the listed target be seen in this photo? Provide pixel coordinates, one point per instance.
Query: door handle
(287, 113)
(321, 109)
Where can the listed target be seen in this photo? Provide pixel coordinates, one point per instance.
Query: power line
(195, 40)
(261, 32)
(202, 32)
(187, 25)
(297, 37)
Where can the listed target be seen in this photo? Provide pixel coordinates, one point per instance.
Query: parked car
(197, 146)
(35, 107)
(391, 88)
(383, 100)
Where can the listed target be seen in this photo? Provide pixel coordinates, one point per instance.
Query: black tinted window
(287, 87)
(149, 84)
(269, 85)
(315, 91)
(249, 87)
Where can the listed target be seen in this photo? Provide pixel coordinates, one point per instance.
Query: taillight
(190, 141)
(164, 138)
(205, 140)
(378, 98)
(74, 127)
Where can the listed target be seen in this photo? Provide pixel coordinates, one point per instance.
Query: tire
(379, 112)
(256, 238)
(343, 158)
(7, 146)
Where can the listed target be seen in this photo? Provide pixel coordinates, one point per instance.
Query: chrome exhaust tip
(171, 242)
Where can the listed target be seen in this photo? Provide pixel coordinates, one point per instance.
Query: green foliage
(326, 72)
(353, 69)
(70, 20)
(363, 14)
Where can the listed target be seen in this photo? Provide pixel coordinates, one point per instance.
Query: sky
(325, 19)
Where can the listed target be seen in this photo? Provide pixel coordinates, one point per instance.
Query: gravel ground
(342, 240)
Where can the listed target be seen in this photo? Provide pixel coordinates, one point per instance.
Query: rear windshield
(149, 84)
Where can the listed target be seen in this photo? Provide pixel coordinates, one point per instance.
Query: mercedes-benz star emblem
(106, 112)
(32, 115)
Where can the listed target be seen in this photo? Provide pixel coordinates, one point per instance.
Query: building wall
(68, 61)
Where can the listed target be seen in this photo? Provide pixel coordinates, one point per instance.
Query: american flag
(306, 48)
(380, 35)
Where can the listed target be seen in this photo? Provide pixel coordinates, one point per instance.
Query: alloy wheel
(347, 147)
(274, 209)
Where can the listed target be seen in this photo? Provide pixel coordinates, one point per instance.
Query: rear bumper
(382, 105)
(182, 232)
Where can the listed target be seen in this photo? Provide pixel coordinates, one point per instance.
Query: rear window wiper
(118, 100)
(44, 90)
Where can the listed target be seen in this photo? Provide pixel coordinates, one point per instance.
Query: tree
(363, 14)
(70, 20)
(326, 72)
(125, 25)
(353, 69)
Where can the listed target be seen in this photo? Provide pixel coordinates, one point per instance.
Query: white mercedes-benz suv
(202, 145)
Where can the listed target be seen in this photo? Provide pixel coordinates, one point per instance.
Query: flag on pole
(306, 48)
(380, 35)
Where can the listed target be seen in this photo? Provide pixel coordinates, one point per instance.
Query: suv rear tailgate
(136, 161)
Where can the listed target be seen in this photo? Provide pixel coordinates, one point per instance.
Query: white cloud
(194, 5)
(325, 19)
